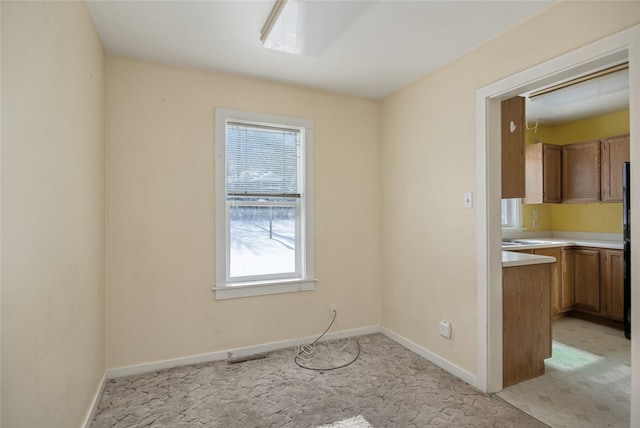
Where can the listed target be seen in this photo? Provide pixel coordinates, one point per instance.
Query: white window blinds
(261, 161)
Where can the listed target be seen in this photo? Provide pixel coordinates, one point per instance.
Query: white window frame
(303, 280)
(514, 213)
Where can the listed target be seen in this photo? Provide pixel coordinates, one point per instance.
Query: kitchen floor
(587, 382)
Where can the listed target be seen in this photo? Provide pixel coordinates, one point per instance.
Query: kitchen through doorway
(587, 380)
(599, 55)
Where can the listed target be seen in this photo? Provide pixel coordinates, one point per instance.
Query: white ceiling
(391, 44)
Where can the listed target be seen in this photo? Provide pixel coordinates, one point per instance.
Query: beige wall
(387, 195)
(428, 160)
(160, 214)
(53, 77)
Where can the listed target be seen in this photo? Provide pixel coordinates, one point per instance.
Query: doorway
(620, 47)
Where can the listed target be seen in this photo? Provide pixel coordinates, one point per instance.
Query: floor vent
(239, 360)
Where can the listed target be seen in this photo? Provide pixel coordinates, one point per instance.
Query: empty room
(286, 213)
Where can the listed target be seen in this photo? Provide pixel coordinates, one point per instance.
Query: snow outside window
(263, 199)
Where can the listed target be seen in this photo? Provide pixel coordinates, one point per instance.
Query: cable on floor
(309, 352)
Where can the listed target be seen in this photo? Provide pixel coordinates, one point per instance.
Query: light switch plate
(468, 199)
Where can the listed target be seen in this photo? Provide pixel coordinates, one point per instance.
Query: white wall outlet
(444, 328)
(535, 219)
(333, 307)
(468, 199)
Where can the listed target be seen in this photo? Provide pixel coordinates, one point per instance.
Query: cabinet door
(615, 151)
(533, 174)
(556, 277)
(552, 173)
(543, 172)
(586, 277)
(512, 133)
(581, 172)
(613, 284)
(567, 299)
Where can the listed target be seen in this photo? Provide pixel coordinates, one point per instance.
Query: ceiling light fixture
(282, 29)
(591, 76)
(604, 83)
(305, 27)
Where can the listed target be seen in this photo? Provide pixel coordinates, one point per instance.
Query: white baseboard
(273, 346)
(231, 353)
(94, 403)
(428, 355)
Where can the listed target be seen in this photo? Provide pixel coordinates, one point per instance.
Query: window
(511, 213)
(264, 224)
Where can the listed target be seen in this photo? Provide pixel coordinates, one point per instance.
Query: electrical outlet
(445, 329)
(333, 307)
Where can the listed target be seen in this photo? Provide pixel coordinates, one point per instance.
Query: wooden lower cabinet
(599, 282)
(613, 284)
(561, 278)
(526, 321)
(586, 280)
(556, 277)
(566, 298)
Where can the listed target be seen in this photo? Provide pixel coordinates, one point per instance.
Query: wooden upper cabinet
(615, 151)
(581, 172)
(543, 172)
(513, 127)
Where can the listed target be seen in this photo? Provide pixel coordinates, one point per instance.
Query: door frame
(607, 51)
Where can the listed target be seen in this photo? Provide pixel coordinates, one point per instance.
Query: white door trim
(620, 46)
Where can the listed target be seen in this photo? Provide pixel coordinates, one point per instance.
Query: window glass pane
(505, 213)
(511, 209)
(262, 240)
(261, 160)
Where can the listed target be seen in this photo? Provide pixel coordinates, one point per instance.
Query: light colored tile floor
(587, 381)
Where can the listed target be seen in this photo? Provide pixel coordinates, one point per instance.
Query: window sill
(513, 229)
(261, 288)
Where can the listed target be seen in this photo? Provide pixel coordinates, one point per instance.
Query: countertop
(511, 259)
(564, 242)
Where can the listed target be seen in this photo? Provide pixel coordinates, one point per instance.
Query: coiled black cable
(303, 348)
